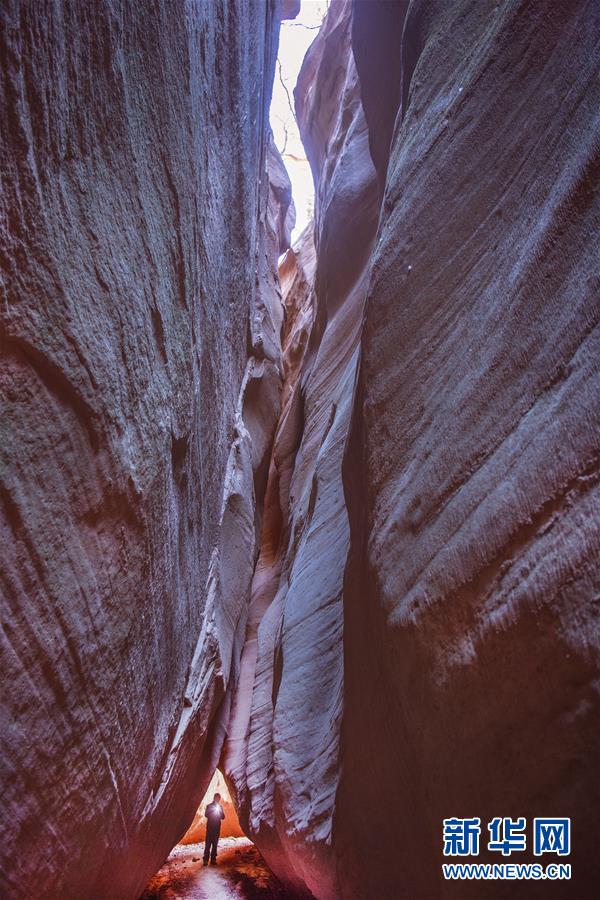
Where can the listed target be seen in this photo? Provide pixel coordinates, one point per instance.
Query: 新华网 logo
(549, 835)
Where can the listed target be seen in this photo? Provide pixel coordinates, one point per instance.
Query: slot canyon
(320, 515)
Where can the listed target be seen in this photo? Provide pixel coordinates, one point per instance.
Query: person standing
(214, 815)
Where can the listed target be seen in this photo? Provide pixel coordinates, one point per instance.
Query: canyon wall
(423, 638)
(140, 372)
(282, 755)
(471, 644)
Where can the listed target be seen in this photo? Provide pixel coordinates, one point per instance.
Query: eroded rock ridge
(142, 212)
(423, 637)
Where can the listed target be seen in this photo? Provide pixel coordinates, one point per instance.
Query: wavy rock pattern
(282, 754)
(424, 636)
(140, 372)
(471, 631)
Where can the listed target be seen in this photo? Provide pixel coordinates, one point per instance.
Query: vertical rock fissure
(282, 750)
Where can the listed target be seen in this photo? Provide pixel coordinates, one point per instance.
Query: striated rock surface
(282, 754)
(471, 597)
(345, 548)
(423, 639)
(140, 373)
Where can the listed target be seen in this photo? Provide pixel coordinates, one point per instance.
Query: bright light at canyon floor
(241, 872)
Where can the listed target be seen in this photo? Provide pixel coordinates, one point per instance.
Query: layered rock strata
(424, 638)
(283, 755)
(357, 535)
(140, 373)
(471, 632)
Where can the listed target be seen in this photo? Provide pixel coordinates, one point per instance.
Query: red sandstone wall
(283, 751)
(139, 386)
(423, 631)
(394, 599)
(471, 473)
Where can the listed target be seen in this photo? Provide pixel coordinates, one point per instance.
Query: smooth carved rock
(347, 548)
(423, 634)
(282, 754)
(470, 628)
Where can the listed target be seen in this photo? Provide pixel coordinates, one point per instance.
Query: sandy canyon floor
(241, 873)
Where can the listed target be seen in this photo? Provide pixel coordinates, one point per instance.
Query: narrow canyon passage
(300, 487)
(241, 871)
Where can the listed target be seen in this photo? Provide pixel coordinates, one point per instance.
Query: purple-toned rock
(346, 547)
(136, 419)
(283, 753)
(423, 640)
(470, 621)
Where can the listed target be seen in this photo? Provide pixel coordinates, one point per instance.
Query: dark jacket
(214, 813)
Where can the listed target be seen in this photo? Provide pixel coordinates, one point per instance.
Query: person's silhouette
(214, 814)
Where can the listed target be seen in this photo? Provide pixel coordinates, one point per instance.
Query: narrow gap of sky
(295, 38)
